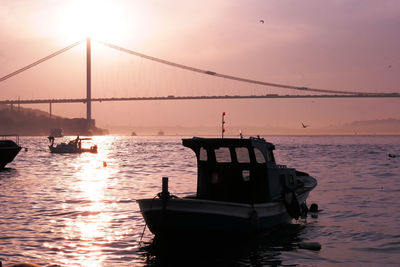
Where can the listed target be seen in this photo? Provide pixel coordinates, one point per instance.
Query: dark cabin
(237, 170)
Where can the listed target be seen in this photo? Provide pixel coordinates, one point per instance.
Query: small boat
(241, 190)
(8, 149)
(73, 146)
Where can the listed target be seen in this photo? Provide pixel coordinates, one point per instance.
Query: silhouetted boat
(73, 146)
(240, 190)
(8, 149)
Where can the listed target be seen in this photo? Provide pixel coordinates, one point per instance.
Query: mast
(223, 123)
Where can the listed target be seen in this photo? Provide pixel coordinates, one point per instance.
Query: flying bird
(261, 21)
(304, 126)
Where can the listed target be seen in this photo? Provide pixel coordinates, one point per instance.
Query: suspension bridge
(307, 92)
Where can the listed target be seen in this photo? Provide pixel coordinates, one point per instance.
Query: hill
(26, 121)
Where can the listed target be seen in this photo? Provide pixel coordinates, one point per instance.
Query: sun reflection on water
(91, 225)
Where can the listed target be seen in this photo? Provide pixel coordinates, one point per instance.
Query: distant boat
(56, 132)
(73, 146)
(133, 134)
(160, 133)
(241, 190)
(8, 149)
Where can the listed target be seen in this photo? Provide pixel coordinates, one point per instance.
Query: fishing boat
(9, 149)
(240, 190)
(73, 146)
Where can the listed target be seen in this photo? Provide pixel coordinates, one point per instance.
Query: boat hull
(178, 216)
(67, 149)
(7, 155)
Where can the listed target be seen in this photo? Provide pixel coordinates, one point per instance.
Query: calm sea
(80, 210)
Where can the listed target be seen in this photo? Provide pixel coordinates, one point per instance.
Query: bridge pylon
(88, 81)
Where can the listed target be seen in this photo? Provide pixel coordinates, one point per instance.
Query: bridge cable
(40, 61)
(212, 73)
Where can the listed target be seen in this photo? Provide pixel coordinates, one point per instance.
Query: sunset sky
(341, 45)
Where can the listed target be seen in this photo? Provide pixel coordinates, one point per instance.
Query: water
(71, 210)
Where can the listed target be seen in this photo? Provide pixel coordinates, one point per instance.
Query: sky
(342, 45)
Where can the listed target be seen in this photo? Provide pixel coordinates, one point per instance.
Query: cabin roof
(197, 142)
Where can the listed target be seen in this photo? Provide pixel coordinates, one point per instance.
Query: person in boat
(74, 141)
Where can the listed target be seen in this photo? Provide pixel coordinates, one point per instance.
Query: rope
(145, 224)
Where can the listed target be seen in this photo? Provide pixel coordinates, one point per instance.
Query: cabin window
(203, 154)
(222, 155)
(242, 155)
(259, 155)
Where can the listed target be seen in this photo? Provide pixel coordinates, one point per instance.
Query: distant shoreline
(33, 122)
(225, 136)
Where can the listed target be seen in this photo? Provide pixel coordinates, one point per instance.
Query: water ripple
(71, 210)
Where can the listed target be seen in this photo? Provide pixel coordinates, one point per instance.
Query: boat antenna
(223, 123)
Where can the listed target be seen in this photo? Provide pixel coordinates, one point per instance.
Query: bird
(261, 21)
(304, 126)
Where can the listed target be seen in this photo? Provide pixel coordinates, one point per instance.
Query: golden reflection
(90, 227)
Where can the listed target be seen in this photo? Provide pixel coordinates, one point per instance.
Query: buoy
(310, 245)
(313, 207)
(104, 164)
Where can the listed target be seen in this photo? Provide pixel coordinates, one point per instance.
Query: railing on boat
(281, 166)
(7, 136)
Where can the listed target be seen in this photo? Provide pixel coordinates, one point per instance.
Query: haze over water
(70, 210)
(347, 45)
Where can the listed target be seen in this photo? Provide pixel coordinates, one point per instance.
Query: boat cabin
(238, 170)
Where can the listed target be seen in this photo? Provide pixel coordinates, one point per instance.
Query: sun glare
(96, 19)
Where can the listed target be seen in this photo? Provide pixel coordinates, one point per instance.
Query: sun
(97, 19)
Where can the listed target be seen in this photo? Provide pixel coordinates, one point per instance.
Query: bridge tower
(88, 82)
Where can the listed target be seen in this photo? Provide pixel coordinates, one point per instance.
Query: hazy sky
(341, 45)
